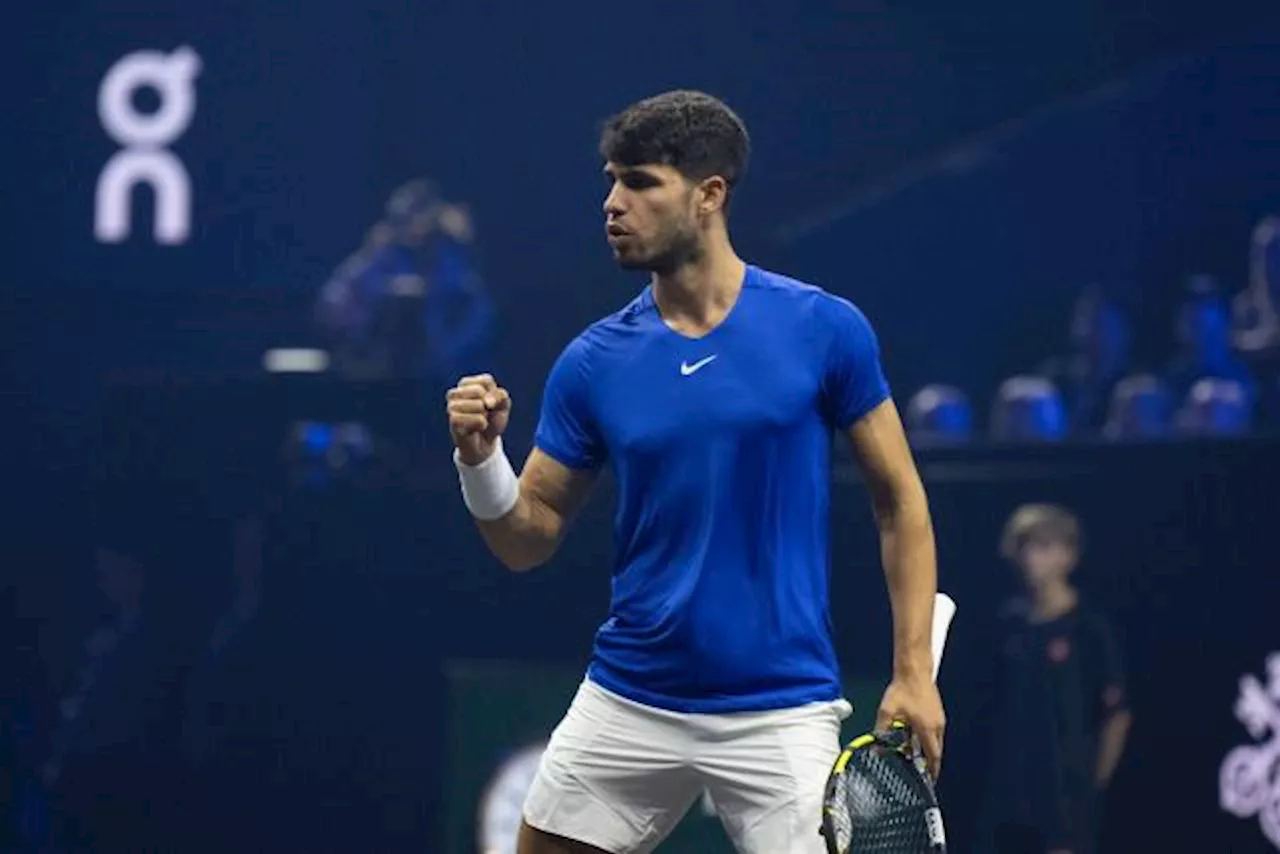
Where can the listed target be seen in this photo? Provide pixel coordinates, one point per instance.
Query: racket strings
(877, 804)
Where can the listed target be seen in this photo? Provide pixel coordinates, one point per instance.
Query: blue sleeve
(853, 381)
(566, 429)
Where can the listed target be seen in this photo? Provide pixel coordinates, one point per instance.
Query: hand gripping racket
(879, 797)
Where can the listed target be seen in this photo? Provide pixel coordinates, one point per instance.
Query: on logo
(1249, 779)
(145, 138)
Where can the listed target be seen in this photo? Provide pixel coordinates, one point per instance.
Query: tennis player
(713, 396)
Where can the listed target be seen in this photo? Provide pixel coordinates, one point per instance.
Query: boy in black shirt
(1062, 717)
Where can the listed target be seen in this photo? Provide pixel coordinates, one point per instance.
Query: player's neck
(1052, 601)
(698, 295)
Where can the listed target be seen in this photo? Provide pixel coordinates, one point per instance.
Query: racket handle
(944, 609)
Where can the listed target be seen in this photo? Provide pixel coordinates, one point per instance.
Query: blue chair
(1216, 408)
(939, 415)
(1141, 409)
(1028, 409)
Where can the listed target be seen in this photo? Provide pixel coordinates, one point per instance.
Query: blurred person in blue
(410, 302)
(1098, 357)
(1202, 336)
(1062, 716)
(713, 396)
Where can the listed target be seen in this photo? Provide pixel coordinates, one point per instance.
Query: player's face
(651, 217)
(1046, 562)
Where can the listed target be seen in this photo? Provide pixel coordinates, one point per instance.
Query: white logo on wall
(145, 138)
(1249, 780)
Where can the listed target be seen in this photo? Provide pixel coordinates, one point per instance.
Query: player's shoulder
(814, 301)
(620, 325)
(607, 334)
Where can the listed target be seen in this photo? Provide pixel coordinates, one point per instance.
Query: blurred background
(251, 244)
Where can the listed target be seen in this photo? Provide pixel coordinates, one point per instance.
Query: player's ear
(713, 192)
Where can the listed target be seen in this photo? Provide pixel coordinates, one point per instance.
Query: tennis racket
(879, 796)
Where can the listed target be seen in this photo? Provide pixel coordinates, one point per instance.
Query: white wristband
(491, 489)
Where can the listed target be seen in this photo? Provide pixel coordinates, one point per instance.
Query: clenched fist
(478, 410)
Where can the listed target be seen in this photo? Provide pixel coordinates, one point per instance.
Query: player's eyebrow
(632, 176)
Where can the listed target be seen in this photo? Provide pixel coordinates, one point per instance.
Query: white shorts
(620, 775)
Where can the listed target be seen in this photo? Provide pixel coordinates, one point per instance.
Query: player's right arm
(522, 519)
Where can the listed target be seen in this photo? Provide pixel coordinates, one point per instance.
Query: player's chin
(629, 260)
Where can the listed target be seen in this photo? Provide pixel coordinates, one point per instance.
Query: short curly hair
(693, 132)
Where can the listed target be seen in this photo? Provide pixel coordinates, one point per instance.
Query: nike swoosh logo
(686, 368)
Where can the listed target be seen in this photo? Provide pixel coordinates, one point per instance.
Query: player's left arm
(908, 554)
(857, 395)
(907, 548)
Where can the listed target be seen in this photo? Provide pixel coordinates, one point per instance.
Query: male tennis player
(713, 395)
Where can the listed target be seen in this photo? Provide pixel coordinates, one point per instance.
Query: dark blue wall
(972, 260)
(306, 120)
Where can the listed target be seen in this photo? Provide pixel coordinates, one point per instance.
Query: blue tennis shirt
(720, 447)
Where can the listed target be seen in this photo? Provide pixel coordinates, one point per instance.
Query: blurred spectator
(228, 737)
(1062, 717)
(1141, 408)
(205, 710)
(939, 414)
(1203, 341)
(1216, 408)
(1028, 409)
(1099, 349)
(410, 301)
(103, 767)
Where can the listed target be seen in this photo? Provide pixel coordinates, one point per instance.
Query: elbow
(520, 543)
(524, 560)
(903, 509)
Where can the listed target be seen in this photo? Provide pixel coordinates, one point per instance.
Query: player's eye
(639, 180)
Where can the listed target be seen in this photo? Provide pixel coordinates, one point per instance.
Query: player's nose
(613, 203)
